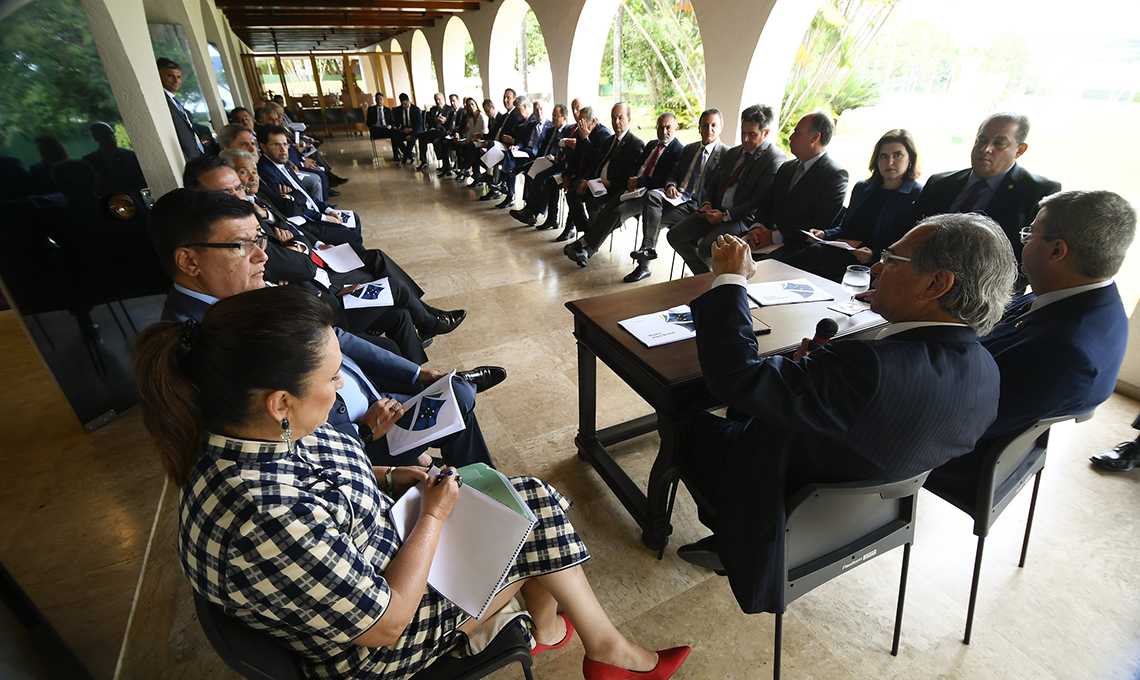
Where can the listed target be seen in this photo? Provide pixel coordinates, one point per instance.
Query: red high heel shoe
(668, 661)
(539, 648)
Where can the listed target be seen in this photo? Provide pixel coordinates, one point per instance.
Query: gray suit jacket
(677, 177)
(752, 185)
(186, 137)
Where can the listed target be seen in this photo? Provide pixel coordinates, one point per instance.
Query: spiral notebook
(480, 540)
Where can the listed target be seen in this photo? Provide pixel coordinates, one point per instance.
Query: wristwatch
(726, 218)
(366, 433)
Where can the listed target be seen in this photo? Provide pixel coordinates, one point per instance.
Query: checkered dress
(296, 544)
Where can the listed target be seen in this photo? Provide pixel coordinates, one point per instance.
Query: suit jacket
(433, 115)
(579, 161)
(1013, 206)
(294, 204)
(119, 173)
(187, 139)
(813, 203)
(513, 121)
(677, 177)
(549, 144)
(523, 138)
(754, 183)
(890, 224)
(622, 160)
(413, 118)
(1059, 360)
(663, 168)
(853, 410)
(493, 125)
(378, 116)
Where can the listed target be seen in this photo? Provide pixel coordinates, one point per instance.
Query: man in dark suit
(654, 167)
(275, 171)
(1060, 348)
(170, 72)
(542, 190)
(514, 124)
(378, 118)
(743, 178)
(852, 410)
(118, 169)
(610, 166)
(995, 185)
(808, 192)
(529, 143)
(407, 122)
(440, 121)
(184, 219)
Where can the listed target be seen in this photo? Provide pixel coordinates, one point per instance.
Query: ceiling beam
(321, 21)
(355, 5)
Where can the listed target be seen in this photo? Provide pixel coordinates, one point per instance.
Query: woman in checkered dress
(284, 522)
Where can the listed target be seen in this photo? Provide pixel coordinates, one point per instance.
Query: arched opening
(400, 78)
(501, 71)
(423, 69)
(532, 63)
(586, 52)
(460, 68)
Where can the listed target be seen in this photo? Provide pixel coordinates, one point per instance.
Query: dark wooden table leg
(587, 397)
(662, 477)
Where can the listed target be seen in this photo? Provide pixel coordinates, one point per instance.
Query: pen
(444, 475)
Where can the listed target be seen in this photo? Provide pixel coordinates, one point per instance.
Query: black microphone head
(826, 329)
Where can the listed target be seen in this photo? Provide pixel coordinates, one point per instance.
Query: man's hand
(817, 233)
(713, 216)
(325, 246)
(758, 237)
(284, 190)
(565, 183)
(582, 188)
(631, 185)
(282, 235)
(294, 168)
(407, 131)
(335, 219)
(863, 254)
(605, 182)
(507, 140)
(671, 191)
(549, 157)
(310, 164)
(731, 255)
(803, 350)
(430, 375)
(347, 289)
(262, 213)
(571, 142)
(512, 148)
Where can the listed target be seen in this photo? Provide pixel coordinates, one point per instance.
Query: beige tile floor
(78, 509)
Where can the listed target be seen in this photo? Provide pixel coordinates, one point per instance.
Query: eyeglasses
(1026, 233)
(244, 248)
(887, 256)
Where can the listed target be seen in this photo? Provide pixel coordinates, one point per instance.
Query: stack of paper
(540, 164)
(375, 294)
(429, 415)
(786, 292)
(661, 328)
(596, 187)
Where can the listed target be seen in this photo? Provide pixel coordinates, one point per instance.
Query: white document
(429, 415)
(541, 163)
(323, 277)
(493, 156)
(786, 292)
(341, 258)
(596, 187)
(558, 178)
(770, 248)
(672, 201)
(297, 220)
(661, 328)
(374, 294)
(842, 245)
(519, 154)
(347, 218)
(630, 195)
(479, 542)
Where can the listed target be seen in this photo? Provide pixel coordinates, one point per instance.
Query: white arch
(593, 28)
(401, 79)
(501, 72)
(422, 69)
(455, 36)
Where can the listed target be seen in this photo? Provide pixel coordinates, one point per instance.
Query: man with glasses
(273, 166)
(890, 408)
(209, 243)
(1059, 349)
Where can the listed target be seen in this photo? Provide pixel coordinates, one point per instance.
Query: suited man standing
(612, 165)
(918, 395)
(1060, 348)
(743, 178)
(808, 192)
(654, 167)
(407, 122)
(995, 185)
(170, 73)
(683, 194)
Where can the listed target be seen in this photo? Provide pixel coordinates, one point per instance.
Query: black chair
(335, 117)
(257, 656)
(355, 116)
(1006, 468)
(313, 117)
(832, 528)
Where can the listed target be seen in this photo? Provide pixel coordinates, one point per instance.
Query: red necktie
(316, 258)
(972, 197)
(652, 161)
(732, 180)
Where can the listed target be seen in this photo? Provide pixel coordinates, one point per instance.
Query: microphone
(825, 330)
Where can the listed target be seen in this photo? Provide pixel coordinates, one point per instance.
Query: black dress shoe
(523, 216)
(426, 342)
(447, 322)
(484, 377)
(336, 180)
(444, 173)
(576, 256)
(333, 192)
(567, 234)
(548, 224)
(490, 196)
(505, 203)
(638, 274)
(703, 553)
(1121, 459)
(644, 254)
(422, 165)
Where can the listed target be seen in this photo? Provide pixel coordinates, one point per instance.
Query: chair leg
(669, 513)
(974, 589)
(779, 642)
(902, 599)
(1029, 522)
(129, 319)
(526, 671)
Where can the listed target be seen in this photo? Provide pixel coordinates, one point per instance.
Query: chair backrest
(356, 115)
(334, 116)
(312, 117)
(253, 654)
(832, 528)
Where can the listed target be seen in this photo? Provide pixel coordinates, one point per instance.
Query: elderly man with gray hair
(1059, 349)
(888, 408)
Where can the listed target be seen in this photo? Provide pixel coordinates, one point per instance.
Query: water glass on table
(857, 279)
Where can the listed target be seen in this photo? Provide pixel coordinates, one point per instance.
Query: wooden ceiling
(306, 25)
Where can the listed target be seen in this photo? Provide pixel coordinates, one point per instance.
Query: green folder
(493, 484)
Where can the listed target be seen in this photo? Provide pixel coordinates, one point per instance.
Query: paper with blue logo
(428, 416)
(375, 294)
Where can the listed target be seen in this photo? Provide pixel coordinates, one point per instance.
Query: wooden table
(669, 377)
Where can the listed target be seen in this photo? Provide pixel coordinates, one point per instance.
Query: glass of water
(857, 279)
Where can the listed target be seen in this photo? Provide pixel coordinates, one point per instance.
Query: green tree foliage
(1008, 54)
(662, 58)
(535, 44)
(825, 74)
(168, 40)
(915, 55)
(51, 77)
(470, 62)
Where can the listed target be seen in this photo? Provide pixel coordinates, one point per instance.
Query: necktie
(606, 158)
(732, 180)
(648, 169)
(309, 202)
(534, 136)
(695, 175)
(972, 197)
(796, 177)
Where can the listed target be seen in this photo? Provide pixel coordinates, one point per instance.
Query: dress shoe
(668, 661)
(484, 377)
(333, 192)
(638, 274)
(1121, 459)
(447, 322)
(422, 165)
(523, 216)
(426, 342)
(644, 254)
(491, 195)
(505, 203)
(336, 180)
(551, 223)
(567, 234)
(445, 173)
(539, 648)
(576, 256)
(703, 553)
